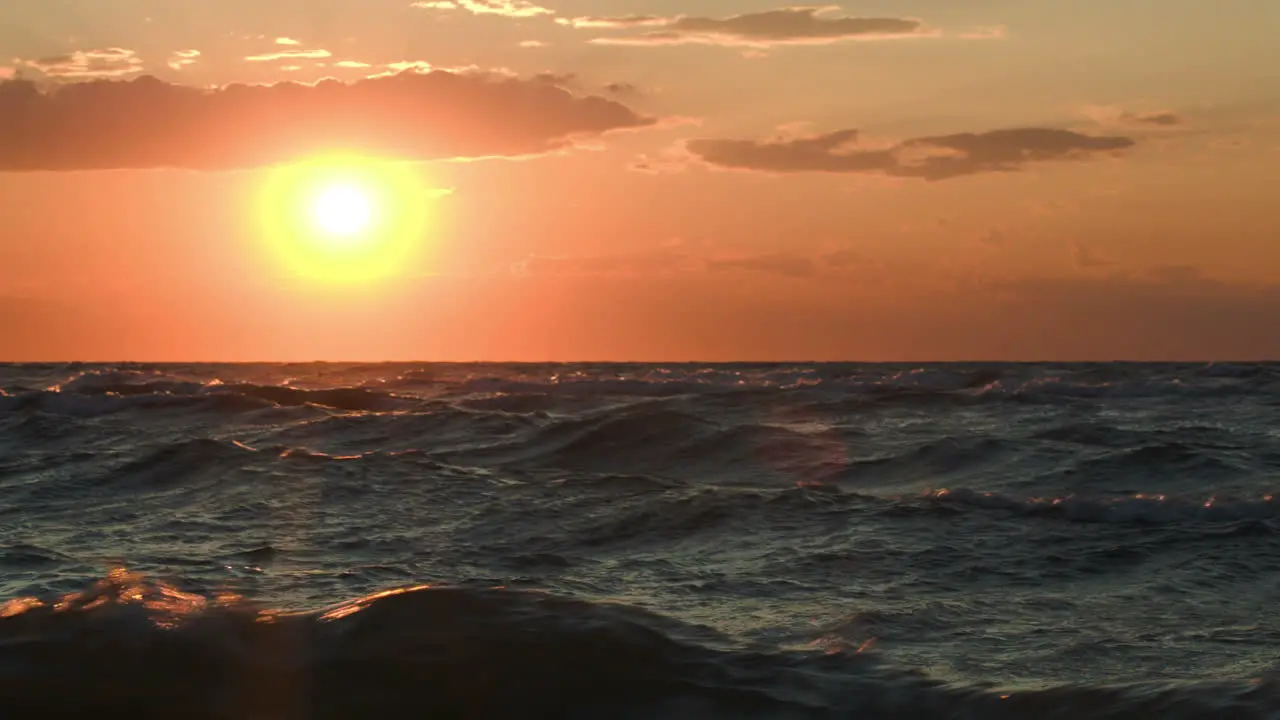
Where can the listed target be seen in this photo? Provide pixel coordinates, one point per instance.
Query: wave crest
(150, 650)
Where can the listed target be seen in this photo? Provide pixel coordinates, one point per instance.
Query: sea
(636, 541)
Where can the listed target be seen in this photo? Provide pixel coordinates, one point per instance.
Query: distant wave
(827, 388)
(146, 649)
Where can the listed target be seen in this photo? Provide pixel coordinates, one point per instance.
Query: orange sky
(627, 180)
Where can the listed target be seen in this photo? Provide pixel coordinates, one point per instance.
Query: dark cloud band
(930, 158)
(788, 26)
(148, 123)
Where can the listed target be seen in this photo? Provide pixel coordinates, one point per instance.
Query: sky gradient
(629, 180)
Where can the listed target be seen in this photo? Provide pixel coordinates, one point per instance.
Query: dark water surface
(640, 541)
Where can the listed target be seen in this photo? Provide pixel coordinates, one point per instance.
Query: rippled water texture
(821, 541)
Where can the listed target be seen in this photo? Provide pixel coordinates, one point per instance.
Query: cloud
(395, 68)
(674, 260)
(785, 264)
(1163, 119)
(571, 81)
(622, 88)
(564, 80)
(931, 158)
(1111, 116)
(989, 32)
(533, 44)
(148, 123)
(183, 58)
(651, 262)
(287, 41)
(1085, 258)
(505, 8)
(290, 55)
(87, 64)
(616, 23)
(670, 160)
(788, 26)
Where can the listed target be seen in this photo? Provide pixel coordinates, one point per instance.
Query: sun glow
(342, 210)
(347, 219)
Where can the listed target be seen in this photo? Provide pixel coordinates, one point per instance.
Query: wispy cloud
(318, 54)
(780, 263)
(505, 8)
(787, 26)
(403, 66)
(930, 158)
(1084, 258)
(988, 32)
(148, 123)
(1162, 119)
(622, 89)
(673, 260)
(183, 58)
(1121, 117)
(616, 23)
(287, 41)
(104, 63)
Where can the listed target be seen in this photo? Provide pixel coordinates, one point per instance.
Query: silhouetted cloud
(505, 8)
(787, 26)
(1115, 116)
(564, 80)
(622, 88)
(571, 81)
(87, 64)
(931, 158)
(148, 123)
(1157, 118)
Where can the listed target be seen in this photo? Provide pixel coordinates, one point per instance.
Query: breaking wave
(147, 649)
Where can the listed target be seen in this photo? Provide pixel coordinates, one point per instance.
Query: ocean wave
(1138, 509)
(657, 437)
(677, 510)
(819, 388)
(147, 649)
(1015, 524)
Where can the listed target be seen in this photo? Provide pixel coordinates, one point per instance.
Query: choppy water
(640, 541)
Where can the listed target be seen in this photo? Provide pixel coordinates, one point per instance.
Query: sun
(342, 210)
(346, 219)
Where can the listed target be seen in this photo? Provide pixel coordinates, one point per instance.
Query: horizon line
(1113, 361)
